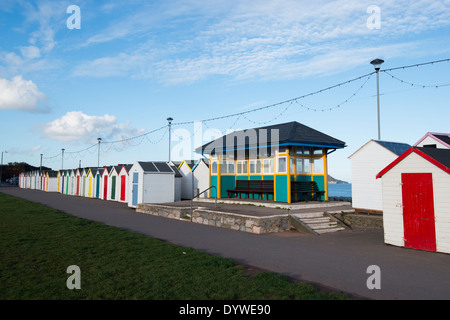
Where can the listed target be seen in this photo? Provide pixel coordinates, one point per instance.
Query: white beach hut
(151, 182)
(416, 206)
(113, 185)
(51, 181)
(124, 182)
(187, 183)
(366, 162)
(104, 185)
(97, 174)
(201, 177)
(436, 140)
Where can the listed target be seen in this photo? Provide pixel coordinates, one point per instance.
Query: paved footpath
(338, 260)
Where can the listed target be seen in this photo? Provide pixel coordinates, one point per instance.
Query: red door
(78, 184)
(122, 188)
(418, 211)
(105, 188)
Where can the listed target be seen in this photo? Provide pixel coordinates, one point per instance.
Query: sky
(75, 71)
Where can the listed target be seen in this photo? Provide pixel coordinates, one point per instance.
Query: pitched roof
(396, 147)
(157, 167)
(290, 133)
(438, 157)
(444, 138)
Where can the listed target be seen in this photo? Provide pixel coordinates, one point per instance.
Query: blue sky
(132, 64)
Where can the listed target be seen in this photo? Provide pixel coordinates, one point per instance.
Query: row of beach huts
(408, 185)
(141, 182)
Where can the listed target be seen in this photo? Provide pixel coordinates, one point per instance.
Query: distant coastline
(332, 180)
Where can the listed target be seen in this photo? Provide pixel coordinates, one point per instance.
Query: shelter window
(255, 166)
(303, 150)
(318, 166)
(242, 167)
(282, 165)
(303, 166)
(318, 151)
(268, 166)
(214, 167)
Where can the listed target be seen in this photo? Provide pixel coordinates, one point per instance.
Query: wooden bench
(305, 188)
(261, 187)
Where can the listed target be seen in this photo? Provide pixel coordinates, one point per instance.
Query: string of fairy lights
(156, 136)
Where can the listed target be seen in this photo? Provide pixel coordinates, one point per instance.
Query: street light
(98, 162)
(170, 123)
(377, 64)
(62, 159)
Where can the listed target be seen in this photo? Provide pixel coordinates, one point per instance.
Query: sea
(340, 190)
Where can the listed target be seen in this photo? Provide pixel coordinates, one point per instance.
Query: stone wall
(164, 211)
(363, 220)
(242, 222)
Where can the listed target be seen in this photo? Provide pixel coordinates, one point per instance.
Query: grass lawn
(38, 243)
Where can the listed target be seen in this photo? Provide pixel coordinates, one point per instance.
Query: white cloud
(269, 40)
(77, 126)
(30, 52)
(20, 94)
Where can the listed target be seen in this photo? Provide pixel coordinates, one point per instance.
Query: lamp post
(377, 64)
(170, 123)
(1, 168)
(62, 159)
(98, 162)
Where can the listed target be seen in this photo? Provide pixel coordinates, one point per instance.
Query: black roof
(158, 166)
(396, 147)
(290, 133)
(440, 155)
(442, 137)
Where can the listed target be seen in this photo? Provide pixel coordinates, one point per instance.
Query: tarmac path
(337, 260)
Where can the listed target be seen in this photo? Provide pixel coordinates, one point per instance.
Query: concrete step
(315, 220)
(330, 230)
(318, 222)
(325, 225)
(308, 215)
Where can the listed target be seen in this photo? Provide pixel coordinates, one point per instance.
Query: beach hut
(60, 181)
(104, 186)
(69, 184)
(21, 180)
(416, 206)
(366, 162)
(124, 182)
(78, 181)
(114, 185)
(89, 183)
(51, 181)
(151, 182)
(280, 159)
(435, 140)
(187, 184)
(97, 174)
(201, 177)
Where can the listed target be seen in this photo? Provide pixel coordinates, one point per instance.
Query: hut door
(113, 188)
(97, 187)
(135, 189)
(105, 188)
(418, 211)
(78, 185)
(122, 188)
